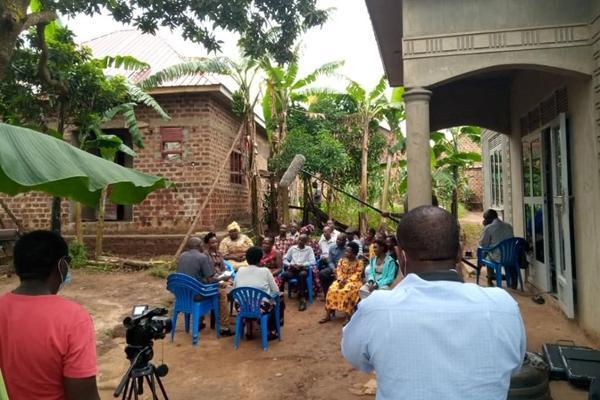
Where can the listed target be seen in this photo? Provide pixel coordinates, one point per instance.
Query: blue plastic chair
(512, 252)
(186, 289)
(229, 267)
(309, 284)
(250, 300)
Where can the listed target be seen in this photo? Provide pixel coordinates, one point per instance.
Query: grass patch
(160, 271)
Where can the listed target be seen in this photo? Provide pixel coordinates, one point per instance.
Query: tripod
(132, 383)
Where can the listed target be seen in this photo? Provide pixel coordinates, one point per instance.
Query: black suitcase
(582, 365)
(554, 359)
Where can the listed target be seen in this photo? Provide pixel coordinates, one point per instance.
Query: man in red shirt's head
(47, 343)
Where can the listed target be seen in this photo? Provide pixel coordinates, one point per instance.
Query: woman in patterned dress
(343, 293)
(272, 259)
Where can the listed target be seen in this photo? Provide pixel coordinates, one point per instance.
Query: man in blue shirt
(336, 251)
(418, 337)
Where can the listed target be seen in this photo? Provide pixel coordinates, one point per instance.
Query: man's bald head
(429, 234)
(194, 243)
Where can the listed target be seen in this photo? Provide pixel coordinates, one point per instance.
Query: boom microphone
(293, 170)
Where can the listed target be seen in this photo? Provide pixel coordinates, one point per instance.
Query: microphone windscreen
(293, 170)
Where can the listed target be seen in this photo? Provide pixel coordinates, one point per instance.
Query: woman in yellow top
(343, 293)
(234, 246)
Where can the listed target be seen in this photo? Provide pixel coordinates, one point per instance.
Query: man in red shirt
(47, 343)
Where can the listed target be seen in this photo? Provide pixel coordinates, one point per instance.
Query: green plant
(78, 254)
(161, 271)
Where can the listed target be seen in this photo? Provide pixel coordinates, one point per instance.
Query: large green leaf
(323, 70)
(215, 65)
(123, 62)
(139, 96)
(31, 161)
(379, 89)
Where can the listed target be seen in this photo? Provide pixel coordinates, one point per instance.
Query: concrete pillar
(417, 147)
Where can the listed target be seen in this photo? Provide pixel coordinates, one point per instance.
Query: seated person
(381, 270)
(308, 230)
(343, 293)
(367, 242)
(298, 258)
(327, 240)
(272, 259)
(198, 265)
(294, 232)
(259, 278)
(234, 246)
(334, 232)
(494, 232)
(211, 249)
(283, 241)
(336, 252)
(353, 235)
(47, 343)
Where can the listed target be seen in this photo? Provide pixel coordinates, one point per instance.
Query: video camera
(146, 325)
(142, 328)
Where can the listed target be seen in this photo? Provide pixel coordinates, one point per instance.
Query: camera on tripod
(142, 328)
(145, 325)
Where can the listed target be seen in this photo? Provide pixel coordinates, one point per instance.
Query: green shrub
(78, 254)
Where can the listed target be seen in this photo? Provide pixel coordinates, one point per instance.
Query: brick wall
(209, 128)
(474, 174)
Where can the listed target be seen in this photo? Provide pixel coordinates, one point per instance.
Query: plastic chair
(229, 267)
(309, 284)
(186, 290)
(250, 300)
(512, 251)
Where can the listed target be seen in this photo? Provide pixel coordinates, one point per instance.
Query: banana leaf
(32, 161)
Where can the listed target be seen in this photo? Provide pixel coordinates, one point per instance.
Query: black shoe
(272, 336)
(226, 332)
(302, 306)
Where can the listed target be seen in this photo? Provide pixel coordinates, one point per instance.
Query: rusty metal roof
(150, 49)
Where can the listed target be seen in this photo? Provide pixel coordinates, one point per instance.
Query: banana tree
(282, 88)
(371, 107)
(449, 161)
(393, 114)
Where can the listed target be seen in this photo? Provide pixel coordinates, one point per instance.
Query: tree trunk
(306, 201)
(55, 223)
(78, 223)
(100, 223)
(454, 205)
(364, 156)
(386, 184)
(253, 179)
(273, 218)
(284, 204)
(13, 14)
(330, 201)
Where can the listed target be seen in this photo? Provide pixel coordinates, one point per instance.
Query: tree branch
(43, 70)
(42, 17)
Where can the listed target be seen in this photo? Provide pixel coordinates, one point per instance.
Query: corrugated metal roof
(150, 49)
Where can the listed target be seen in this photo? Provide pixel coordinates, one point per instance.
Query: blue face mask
(65, 278)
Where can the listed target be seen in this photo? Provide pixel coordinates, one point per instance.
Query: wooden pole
(12, 216)
(210, 191)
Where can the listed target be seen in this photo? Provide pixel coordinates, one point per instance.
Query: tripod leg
(126, 390)
(152, 385)
(162, 388)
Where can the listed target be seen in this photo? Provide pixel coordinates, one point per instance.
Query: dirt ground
(306, 364)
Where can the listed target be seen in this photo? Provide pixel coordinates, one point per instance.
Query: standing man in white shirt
(418, 337)
(334, 232)
(296, 262)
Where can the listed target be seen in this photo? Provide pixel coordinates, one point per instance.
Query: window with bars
(171, 143)
(497, 184)
(235, 162)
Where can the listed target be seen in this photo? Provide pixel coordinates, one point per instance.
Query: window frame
(171, 134)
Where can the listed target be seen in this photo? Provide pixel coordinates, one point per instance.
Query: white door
(561, 207)
(536, 213)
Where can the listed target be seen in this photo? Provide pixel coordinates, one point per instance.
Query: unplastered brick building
(189, 149)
